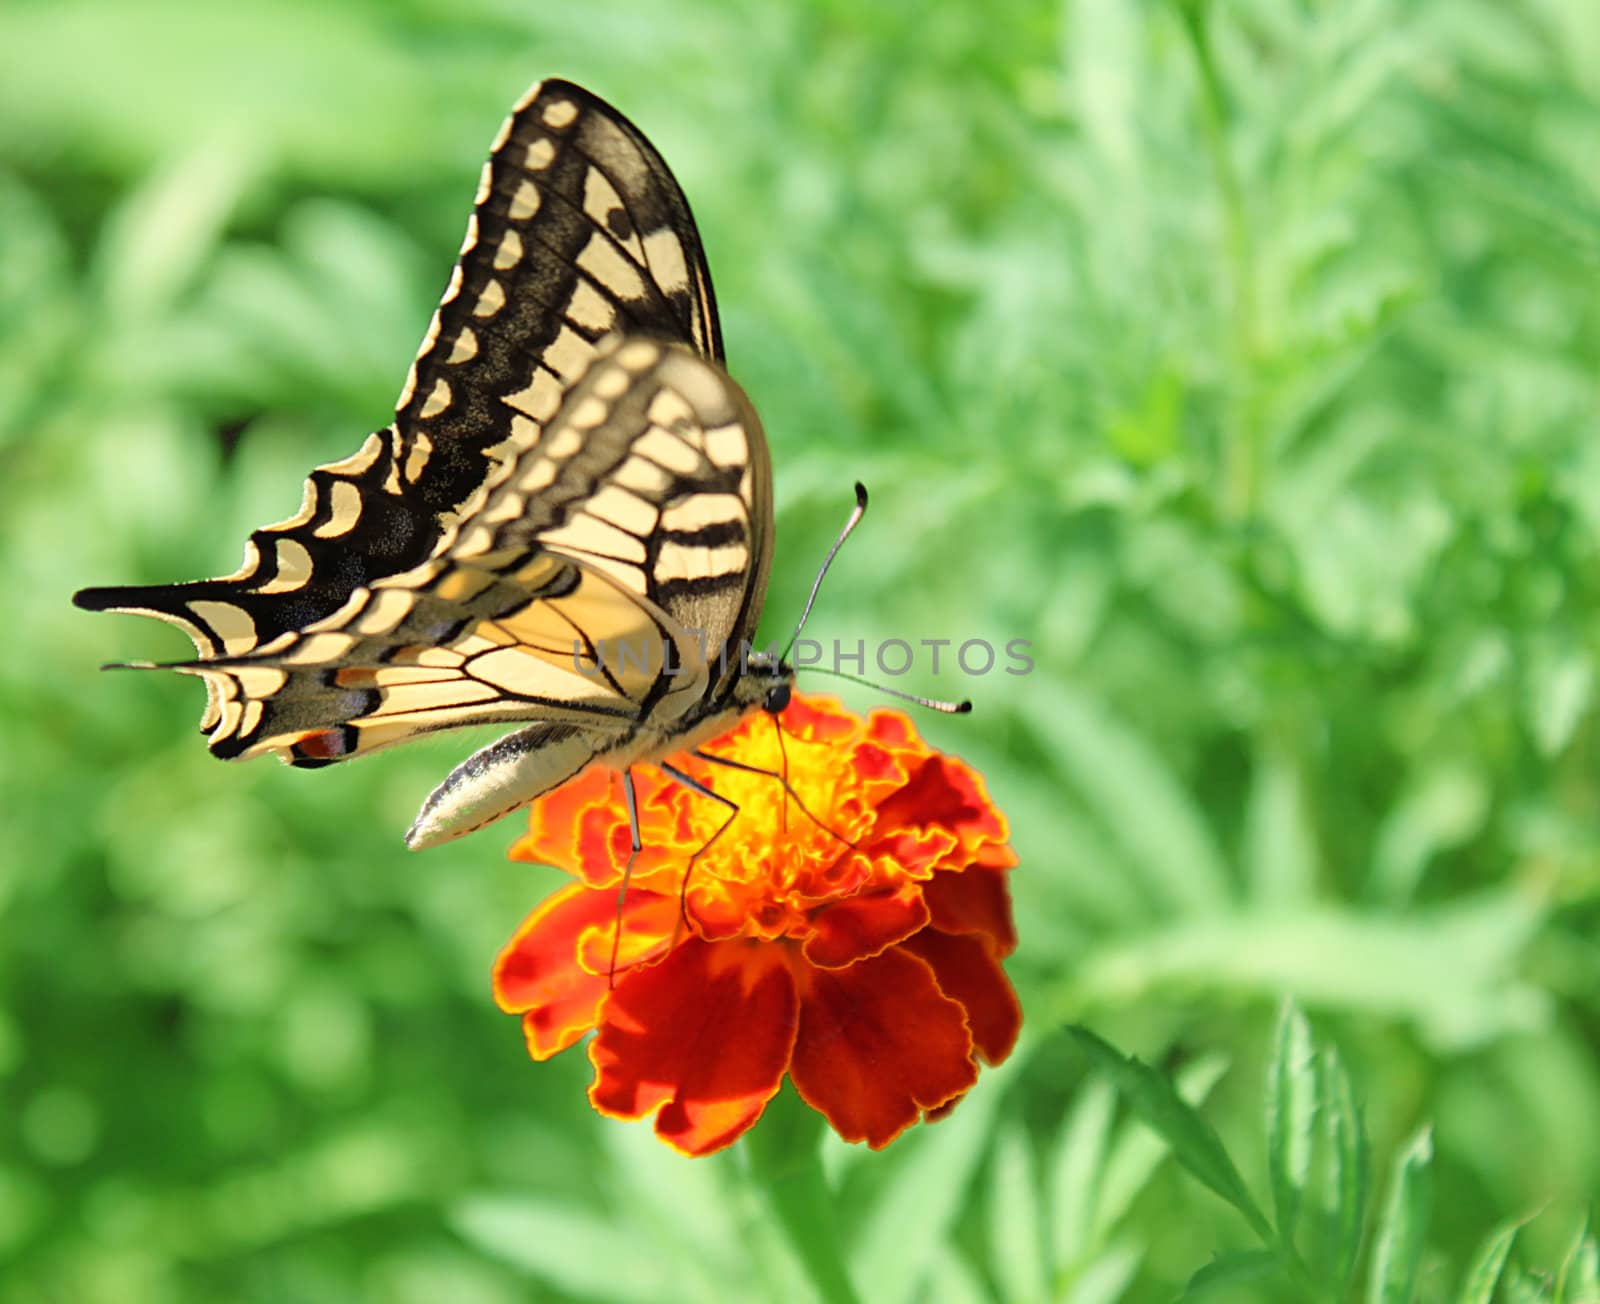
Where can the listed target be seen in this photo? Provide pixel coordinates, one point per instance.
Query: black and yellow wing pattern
(569, 469)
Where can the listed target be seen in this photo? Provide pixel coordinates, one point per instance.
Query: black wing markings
(383, 510)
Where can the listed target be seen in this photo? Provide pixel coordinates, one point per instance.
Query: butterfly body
(567, 526)
(512, 771)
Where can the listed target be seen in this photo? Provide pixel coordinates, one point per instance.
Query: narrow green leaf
(784, 1166)
(163, 231)
(685, 1205)
(1520, 1286)
(1579, 1282)
(1402, 1232)
(1280, 861)
(1544, 205)
(1106, 1279)
(1292, 1101)
(1137, 1151)
(955, 1281)
(1227, 1272)
(1126, 782)
(1560, 691)
(1075, 1170)
(1194, 1142)
(576, 1252)
(1016, 1221)
(1102, 79)
(1391, 965)
(1443, 805)
(1341, 1171)
(1488, 1265)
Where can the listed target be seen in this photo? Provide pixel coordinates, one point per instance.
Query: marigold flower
(864, 961)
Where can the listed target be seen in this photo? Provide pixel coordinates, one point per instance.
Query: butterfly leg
(633, 854)
(783, 754)
(774, 774)
(694, 785)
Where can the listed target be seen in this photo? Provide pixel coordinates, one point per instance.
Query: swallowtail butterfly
(569, 470)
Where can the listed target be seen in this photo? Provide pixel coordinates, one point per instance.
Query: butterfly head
(767, 682)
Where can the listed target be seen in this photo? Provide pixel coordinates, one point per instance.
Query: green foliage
(1240, 354)
(1317, 1147)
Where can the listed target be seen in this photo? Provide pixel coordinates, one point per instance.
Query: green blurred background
(1254, 379)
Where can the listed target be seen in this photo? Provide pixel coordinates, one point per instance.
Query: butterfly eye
(777, 699)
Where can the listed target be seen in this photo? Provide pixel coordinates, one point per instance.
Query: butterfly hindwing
(578, 229)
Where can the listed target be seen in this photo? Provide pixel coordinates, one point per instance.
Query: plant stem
(782, 1150)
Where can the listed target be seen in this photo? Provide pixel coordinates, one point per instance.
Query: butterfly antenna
(932, 703)
(856, 514)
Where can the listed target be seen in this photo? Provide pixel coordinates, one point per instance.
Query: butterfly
(568, 524)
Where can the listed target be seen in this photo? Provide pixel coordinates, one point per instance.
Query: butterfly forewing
(640, 521)
(578, 230)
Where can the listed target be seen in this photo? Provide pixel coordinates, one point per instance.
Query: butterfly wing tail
(206, 610)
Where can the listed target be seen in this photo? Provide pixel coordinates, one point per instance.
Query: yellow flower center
(783, 854)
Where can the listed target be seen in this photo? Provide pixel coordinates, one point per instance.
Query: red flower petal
(538, 974)
(605, 840)
(892, 729)
(582, 827)
(818, 719)
(913, 851)
(942, 791)
(649, 923)
(861, 926)
(967, 971)
(554, 971)
(879, 1043)
(976, 900)
(557, 820)
(875, 774)
(705, 1035)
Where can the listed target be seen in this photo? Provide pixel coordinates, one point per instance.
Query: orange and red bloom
(861, 958)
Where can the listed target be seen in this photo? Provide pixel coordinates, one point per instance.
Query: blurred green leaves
(1257, 390)
(1194, 1144)
(1318, 1158)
